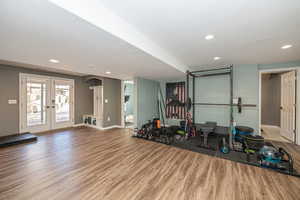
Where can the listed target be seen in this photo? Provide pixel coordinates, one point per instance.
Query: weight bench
(211, 127)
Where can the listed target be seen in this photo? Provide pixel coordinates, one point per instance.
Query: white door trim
(122, 103)
(123, 99)
(263, 71)
(51, 85)
(57, 125)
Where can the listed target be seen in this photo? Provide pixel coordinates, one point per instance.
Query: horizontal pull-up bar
(224, 104)
(239, 104)
(210, 70)
(212, 74)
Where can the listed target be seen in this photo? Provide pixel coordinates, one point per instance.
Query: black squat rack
(227, 70)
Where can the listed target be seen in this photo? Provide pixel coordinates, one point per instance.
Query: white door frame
(122, 100)
(122, 103)
(51, 88)
(57, 125)
(264, 71)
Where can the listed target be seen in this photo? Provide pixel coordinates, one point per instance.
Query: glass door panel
(35, 113)
(36, 103)
(62, 103)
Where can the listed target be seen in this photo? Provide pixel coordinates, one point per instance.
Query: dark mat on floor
(17, 139)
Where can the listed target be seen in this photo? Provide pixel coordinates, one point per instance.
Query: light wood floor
(90, 164)
(272, 133)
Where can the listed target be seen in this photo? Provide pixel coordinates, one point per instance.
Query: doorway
(45, 103)
(278, 105)
(128, 103)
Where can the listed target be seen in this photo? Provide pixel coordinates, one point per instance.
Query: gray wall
(146, 107)
(270, 99)
(9, 89)
(112, 109)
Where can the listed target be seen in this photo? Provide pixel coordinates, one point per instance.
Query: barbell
(240, 105)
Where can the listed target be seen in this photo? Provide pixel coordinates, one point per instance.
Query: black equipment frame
(205, 73)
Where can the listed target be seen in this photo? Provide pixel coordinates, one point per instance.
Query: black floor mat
(17, 139)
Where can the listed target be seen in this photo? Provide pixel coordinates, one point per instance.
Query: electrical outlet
(12, 101)
(235, 101)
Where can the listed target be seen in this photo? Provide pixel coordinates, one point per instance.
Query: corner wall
(146, 107)
(111, 109)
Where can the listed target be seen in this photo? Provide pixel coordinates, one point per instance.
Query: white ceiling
(34, 31)
(152, 39)
(246, 31)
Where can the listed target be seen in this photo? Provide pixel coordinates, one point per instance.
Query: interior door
(288, 108)
(62, 100)
(34, 102)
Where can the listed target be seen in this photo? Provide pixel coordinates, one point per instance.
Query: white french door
(45, 103)
(288, 103)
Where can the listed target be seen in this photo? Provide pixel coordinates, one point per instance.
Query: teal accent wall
(216, 89)
(146, 107)
(280, 65)
(246, 85)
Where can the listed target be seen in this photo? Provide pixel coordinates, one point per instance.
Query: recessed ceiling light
(286, 46)
(217, 58)
(108, 72)
(209, 37)
(54, 61)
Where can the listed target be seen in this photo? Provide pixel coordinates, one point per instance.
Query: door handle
(53, 106)
(47, 107)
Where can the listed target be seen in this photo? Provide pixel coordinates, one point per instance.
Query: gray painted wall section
(112, 109)
(9, 89)
(146, 100)
(270, 99)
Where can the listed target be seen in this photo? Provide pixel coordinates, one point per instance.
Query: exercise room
(160, 100)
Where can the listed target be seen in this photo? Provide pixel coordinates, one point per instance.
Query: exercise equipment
(239, 105)
(206, 129)
(152, 130)
(223, 146)
(271, 157)
(241, 131)
(191, 103)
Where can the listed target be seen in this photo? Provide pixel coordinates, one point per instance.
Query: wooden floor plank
(84, 163)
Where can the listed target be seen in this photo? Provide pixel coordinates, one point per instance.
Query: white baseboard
(110, 127)
(78, 125)
(269, 126)
(97, 127)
